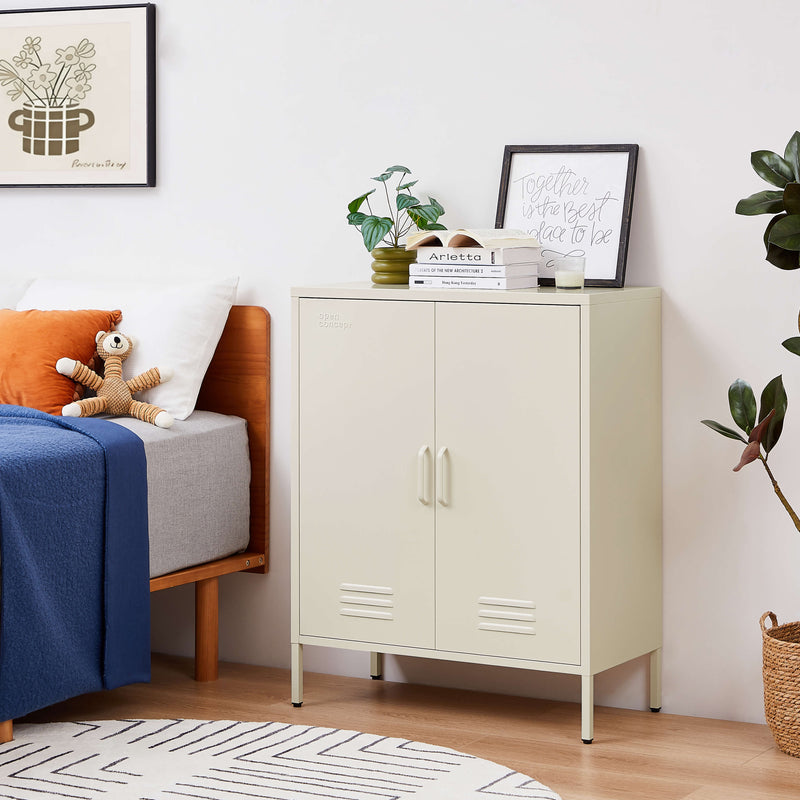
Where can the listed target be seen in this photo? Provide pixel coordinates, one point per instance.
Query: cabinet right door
(508, 494)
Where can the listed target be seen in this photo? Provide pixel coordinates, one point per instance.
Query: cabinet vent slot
(363, 600)
(507, 615)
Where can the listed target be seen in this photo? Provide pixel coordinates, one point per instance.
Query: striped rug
(226, 760)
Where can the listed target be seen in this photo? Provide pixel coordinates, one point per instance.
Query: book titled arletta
(474, 246)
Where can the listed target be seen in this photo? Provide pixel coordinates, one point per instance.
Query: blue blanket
(74, 599)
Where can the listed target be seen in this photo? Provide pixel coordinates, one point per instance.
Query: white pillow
(11, 291)
(174, 326)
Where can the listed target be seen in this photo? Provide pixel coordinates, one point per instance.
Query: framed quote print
(576, 200)
(77, 106)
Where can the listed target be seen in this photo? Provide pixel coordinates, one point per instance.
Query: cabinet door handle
(442, 493)
(422, 475)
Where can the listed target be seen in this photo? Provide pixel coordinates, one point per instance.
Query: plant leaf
(773, 398)
(785, 233)
(397, 168)
(782, 259)
(791, 198)
(383, 177)
(772, 167)
(428, 213)
(792, 154)
(750, 454)
(770, 201)
(792, 345)
(742, 403)
(436, 204)
(373, 229)
(406, 186)
(356, 218)
(436, 226)
(354, 205)
(406, 201)
(729, 432)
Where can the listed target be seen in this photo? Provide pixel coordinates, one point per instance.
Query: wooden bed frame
(237, 382)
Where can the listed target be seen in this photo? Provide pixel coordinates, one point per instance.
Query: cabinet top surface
(543, 295)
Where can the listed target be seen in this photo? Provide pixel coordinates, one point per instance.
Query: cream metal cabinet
(477, 477)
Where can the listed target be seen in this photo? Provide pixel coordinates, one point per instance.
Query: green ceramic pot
(390, 265)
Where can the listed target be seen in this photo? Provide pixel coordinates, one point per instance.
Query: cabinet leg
(587, 708)
(376, 666)
(655, 680)
(297, 674)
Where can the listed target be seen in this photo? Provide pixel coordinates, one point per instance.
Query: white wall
(274, 114)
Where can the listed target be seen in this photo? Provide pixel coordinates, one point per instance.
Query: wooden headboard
(238, 382)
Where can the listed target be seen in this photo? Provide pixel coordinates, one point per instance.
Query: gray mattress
(198, 479)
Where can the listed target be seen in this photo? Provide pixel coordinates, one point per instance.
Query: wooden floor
(635, 755)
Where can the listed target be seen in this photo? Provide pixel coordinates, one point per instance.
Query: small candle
(569, 272)
(569, 279)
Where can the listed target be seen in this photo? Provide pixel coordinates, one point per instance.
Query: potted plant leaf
(382, 234)
(763, 426)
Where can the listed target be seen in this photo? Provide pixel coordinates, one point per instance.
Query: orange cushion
(30, 344)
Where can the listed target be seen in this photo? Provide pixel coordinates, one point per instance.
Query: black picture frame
(576, 199)
(80, 86)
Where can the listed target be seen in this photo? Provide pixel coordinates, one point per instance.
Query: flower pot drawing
(51, 131)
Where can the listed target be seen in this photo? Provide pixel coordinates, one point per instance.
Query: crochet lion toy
(114, 394)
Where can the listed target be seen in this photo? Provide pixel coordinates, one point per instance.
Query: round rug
(225, 760)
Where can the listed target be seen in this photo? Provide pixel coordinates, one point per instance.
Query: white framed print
(77, 106)
(576, 200)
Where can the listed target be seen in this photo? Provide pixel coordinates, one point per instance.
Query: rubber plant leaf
(770, 201)
(753, 449)
(750, 454)
(783, 259)
(792, 345)
(792, 154)
(373, 229)
(772, 168)
(729, 432)
(742, 403)
(791, 198)
(785, 233)
(773, 411)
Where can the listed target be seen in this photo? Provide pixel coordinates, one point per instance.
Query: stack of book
(474, 259)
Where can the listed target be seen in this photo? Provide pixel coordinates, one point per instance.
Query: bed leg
(6, 731)
(206, 629)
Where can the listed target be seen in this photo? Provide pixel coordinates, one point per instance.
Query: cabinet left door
(365, 468)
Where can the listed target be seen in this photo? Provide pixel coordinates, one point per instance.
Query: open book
(471, 237)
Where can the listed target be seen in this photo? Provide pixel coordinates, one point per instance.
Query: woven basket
(782, 682)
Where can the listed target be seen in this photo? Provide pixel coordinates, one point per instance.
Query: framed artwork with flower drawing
(77, 96)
